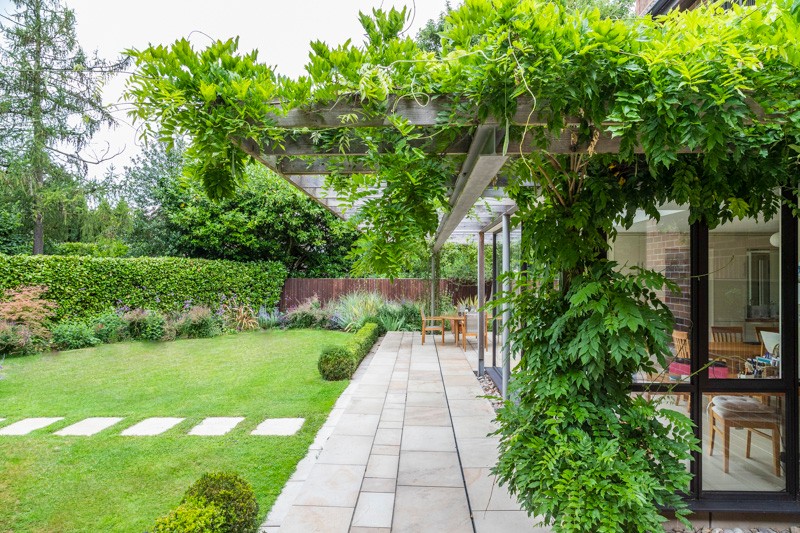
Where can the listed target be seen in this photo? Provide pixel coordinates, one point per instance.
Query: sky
(279, 30)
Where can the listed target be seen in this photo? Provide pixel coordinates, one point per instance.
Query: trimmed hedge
(336, 363)
(89, 286)
(363, 340)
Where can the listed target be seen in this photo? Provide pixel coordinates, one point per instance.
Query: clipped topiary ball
(231, 495)
(336, 363)
(191, 518)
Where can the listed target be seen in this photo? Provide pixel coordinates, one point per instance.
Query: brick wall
(669, 253)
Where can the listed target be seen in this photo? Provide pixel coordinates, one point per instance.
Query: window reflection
(664, 247)
(744, 299)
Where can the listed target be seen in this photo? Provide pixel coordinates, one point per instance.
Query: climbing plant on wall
(705, 107)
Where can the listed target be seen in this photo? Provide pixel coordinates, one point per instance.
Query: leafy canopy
(705, 106)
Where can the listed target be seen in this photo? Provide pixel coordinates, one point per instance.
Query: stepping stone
(87, 427)
(23, 427)
(279, 426)
(152, 426)
(218, 425)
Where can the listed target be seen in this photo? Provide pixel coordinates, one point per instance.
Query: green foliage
(27, 306)
(51, 104)
(212, 88)
(145, 325)
(16, 339)
(351, 311)
(308, 314)
(577, 449)
(583, 453)
(13, 239)
(336, 363)
(110, 327)
(73, 336)
(86, 286)
(236, 316)
(231, 495)
(267, 219)
(198, 322)
(92, 249)
(363, 340)
(269, 319)
(191, 517)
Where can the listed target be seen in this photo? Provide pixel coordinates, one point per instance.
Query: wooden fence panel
(298, 290)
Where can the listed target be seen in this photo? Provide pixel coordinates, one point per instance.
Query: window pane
(662, 246)
(743, 442)
(744, 299)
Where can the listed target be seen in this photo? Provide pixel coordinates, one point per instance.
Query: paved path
(404, 450)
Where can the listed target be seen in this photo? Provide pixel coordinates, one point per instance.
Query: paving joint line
(455, 440)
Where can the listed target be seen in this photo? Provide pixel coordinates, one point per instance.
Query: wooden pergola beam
(480, 167)
(304, 146)
(421, 112)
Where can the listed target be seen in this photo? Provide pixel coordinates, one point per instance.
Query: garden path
(405, 449)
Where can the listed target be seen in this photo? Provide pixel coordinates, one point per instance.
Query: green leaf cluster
(87, 286)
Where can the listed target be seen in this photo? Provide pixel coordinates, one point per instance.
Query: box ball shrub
(336, 363)
(191, 517)
(73, 336)
(231, 495)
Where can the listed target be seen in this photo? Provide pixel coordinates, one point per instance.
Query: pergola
(477, 198)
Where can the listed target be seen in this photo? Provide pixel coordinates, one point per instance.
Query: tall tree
(50, 102)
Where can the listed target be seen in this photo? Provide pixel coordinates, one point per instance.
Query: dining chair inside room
(727, 334)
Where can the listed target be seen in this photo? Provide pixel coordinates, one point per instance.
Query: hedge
(336, 363)
(88, 286)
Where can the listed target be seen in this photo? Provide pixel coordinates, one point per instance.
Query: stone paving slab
(390, 460)
(284, 427)
(152, 426)
(89, 426)
(374, 509)
(27, 425)
(216, 425)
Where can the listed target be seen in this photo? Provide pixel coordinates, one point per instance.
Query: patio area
(405, 450)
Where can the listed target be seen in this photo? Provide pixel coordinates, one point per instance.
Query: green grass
(107, 482)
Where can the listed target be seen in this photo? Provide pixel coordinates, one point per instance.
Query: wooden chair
(680, 339)
(727, 333)
(429, 324)
(726, 412)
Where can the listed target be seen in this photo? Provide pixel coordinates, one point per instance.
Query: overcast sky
(279, 30)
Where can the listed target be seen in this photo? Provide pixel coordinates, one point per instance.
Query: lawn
(108, 482)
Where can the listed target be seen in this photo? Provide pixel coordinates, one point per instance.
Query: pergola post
(481, 303)
(506, 307)
(435, 273)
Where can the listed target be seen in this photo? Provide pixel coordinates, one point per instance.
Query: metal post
(481, 303)
(494, 297)
(434, 282)
(506, 308)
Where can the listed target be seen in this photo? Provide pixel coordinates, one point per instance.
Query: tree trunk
(38, 233)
